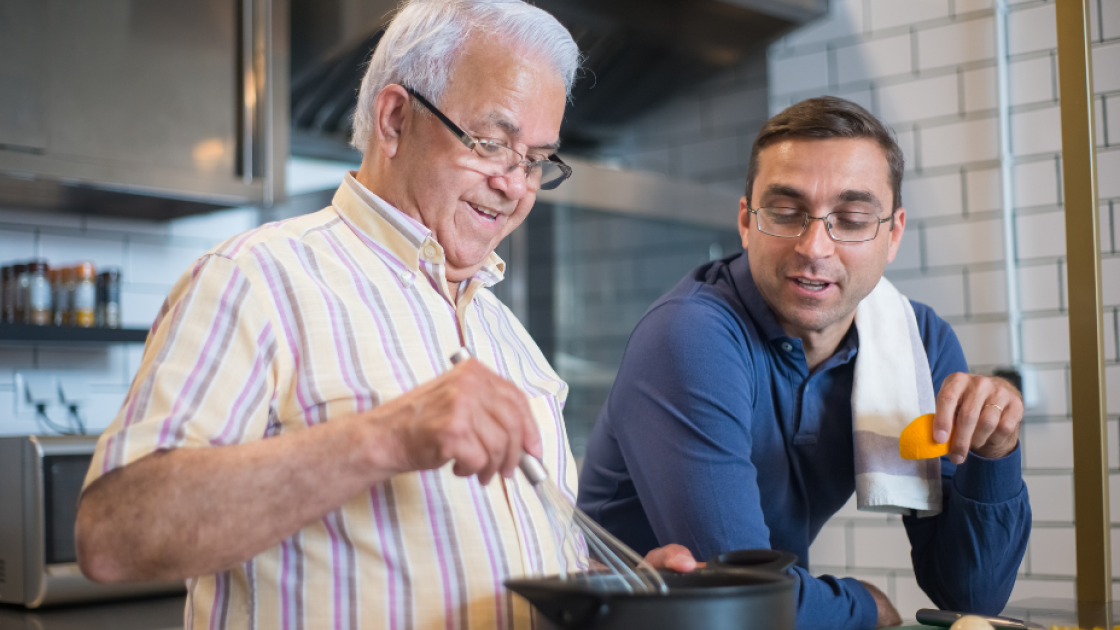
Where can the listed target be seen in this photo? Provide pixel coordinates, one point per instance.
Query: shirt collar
(752, 299)
(392, 232)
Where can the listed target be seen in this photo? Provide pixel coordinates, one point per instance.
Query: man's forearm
(190, 512)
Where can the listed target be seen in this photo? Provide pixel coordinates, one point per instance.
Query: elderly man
(296, 443)
(753, 398)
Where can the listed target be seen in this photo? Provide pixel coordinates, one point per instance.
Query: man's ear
(744, 220)
(896, 234)
(390, 110)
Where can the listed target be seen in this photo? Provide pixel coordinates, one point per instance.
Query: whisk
(579, 535)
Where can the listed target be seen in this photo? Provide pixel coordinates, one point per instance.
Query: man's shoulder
(704, 303)
(249, 244)
(928, 320)
(941, 343)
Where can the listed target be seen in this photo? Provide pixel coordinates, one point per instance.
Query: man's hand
(468, 414)
(675, 557)
(981, 413)
(888, 614)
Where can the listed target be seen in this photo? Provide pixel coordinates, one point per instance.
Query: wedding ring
(996, 406)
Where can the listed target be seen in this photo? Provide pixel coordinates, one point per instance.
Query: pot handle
(566, 609)
(761, 559)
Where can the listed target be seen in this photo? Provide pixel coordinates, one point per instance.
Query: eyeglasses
(843, 227)
(498, 160)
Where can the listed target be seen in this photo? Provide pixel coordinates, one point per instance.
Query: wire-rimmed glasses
(499, 160)
(843, 227)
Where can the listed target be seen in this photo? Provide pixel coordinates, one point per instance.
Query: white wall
(151, 255)
(927, 67)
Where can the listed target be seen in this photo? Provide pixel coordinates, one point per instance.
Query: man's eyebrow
(859, 196)
(514, 131)
(782, 190)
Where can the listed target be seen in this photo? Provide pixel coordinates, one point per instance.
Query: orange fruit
(916, 441)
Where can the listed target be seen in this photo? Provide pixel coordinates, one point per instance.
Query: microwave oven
(40, 481)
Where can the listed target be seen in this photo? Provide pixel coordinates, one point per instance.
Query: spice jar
(61, 301)
(83, 298)
(7, 301)
(109, 298)
(19, 293)
(38, 305)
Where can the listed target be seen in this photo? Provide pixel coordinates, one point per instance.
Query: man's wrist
(380, 449)
(988, 480)
(887, 614)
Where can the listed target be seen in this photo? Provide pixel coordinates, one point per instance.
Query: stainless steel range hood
(640, 53)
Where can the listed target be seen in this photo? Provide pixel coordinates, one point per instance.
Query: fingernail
(957, 459)
(941, 436)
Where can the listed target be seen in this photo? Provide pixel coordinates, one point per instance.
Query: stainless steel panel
(23, 74)
(28, 580)
(11, 521)
(160, 98)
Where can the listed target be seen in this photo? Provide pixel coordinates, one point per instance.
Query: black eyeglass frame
(471, 142)
(827, 224)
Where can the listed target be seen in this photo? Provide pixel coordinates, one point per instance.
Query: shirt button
(407, 277)
(787, 346)
(429, 251)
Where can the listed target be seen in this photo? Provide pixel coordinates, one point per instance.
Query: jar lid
(85, 271)
(110, 273)
(37, 266)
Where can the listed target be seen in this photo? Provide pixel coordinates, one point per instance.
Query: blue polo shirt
(716, 436)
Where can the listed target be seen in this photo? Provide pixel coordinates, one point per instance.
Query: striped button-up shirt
(319, 317)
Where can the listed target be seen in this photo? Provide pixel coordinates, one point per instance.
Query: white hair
(425, 38)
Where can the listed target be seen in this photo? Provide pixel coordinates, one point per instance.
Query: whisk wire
(572, 525)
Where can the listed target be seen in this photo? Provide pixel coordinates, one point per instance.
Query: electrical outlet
(34, 389)
(74, 389)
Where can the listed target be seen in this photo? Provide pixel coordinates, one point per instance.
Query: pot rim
(768, 582)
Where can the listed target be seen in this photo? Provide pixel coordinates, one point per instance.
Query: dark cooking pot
(741, 590)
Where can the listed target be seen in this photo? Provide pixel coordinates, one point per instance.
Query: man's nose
(814, 241)
(513, 184)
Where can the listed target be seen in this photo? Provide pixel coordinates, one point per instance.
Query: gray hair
(423, 41)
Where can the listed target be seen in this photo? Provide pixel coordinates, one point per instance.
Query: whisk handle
(531, 466)
(533, 469)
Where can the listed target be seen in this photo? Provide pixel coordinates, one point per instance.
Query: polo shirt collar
(752, 299)
(393, 233)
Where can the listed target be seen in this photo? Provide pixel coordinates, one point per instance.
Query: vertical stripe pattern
(299, 322)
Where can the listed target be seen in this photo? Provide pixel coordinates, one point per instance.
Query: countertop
(164, 613)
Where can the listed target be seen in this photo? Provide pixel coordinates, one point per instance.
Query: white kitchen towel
(892, 387)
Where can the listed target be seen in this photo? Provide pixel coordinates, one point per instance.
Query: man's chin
(811, 321)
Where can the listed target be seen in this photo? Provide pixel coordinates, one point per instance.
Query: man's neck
(820, 345)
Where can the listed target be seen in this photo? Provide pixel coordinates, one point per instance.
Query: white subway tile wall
(981, 91)
(1036, 183)
(1033, 80)
(956, 43)
(931, 69)
(888, 13)
(151, 255)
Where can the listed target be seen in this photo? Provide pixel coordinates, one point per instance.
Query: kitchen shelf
(26, 333)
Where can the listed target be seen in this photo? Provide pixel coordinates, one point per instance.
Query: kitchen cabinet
(154, 108)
